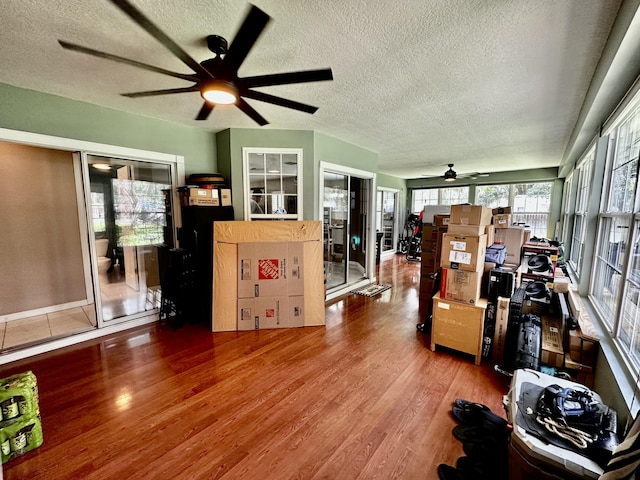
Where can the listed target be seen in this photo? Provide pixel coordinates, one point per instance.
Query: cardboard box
(270, 269)
(561, 284)
(261, 313)
(500, 210)
(460, 285)
(552, 353)
(431, 233)
(581, 373)
(470, 215)
(441, 220)
(500, 330)
(490, 231)
(539, 259)
(225, 197)
(582, 349)
(458, 326)
(524, 279)
(512, 238)
(502, 220)
(428, 263)
(463, 252)
(199, 196)
(466, 229)
(204, 202)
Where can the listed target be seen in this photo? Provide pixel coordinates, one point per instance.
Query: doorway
(386, 219)
(348, 239)
(131, 224)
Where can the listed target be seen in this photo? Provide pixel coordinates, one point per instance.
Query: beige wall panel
(226, 237)
(40, 249)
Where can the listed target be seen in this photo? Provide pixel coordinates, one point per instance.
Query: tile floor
(117, 301)
(26, 331)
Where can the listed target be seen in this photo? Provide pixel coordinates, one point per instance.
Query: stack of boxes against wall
(456, 243)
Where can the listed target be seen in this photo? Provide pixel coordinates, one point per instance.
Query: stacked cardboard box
(205, 197)
(458, 326)
(430, 258)
(538, 265)
(270, 285)
(20, 427)
(512, 238)
(502, 217)
(463, 253)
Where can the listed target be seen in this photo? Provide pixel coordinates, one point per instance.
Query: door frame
(370, 247)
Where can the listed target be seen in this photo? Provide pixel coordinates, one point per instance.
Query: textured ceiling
(487, 85)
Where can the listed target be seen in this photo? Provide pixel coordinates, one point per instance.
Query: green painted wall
(332, 150)
(31, 111)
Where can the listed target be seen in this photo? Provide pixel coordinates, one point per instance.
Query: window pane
(273, 183)
(576, 242)
(493, 196)
(625, 164)
(629, 323)
(424, 197)
(608, 265)
(531, 204)
(454, 196)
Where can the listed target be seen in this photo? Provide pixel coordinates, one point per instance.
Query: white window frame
(440, 200)
(246, 152)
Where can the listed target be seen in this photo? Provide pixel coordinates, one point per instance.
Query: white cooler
(529, 457)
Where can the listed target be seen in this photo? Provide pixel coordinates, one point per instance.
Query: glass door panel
(388, 223)
(132, 222)
(335, 224)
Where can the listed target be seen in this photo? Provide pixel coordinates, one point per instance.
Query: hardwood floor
(361, 398)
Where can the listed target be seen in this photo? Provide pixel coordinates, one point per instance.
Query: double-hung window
(582, 176)
(615, 286)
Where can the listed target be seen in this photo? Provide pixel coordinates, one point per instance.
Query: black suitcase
(523, 343)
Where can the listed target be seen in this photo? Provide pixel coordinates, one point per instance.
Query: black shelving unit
(196, 235)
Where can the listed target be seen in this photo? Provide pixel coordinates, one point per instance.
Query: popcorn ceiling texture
(486, 85)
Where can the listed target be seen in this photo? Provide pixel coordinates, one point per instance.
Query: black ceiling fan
(216, 79)
(451, 175)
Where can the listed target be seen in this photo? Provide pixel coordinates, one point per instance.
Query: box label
(458, 245)
(269, 269)
(460, 257)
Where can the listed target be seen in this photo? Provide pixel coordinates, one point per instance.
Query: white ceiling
(488, 85)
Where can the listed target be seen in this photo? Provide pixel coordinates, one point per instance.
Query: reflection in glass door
(131, 210)
(345, 227)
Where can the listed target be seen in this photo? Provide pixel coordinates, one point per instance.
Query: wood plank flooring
(361, 398)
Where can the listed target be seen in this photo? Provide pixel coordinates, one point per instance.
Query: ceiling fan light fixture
(450, 175)
(220, 92)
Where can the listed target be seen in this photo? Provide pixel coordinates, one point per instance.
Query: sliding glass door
(348, 243)
(132, 227)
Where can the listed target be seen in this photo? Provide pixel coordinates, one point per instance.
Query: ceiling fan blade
(115, 58)
(248, 109)
(287, 78)
(204, 112)
(253, 25)
(283, 102)
(138, 17)
(167, 91)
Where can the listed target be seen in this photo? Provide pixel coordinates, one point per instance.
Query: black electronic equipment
(501, 283)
